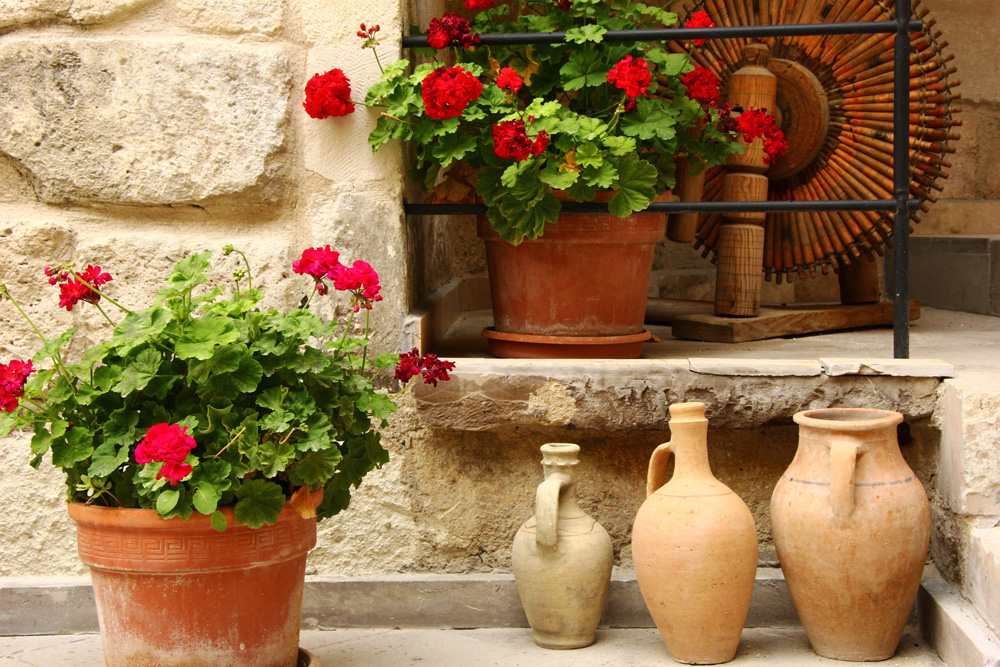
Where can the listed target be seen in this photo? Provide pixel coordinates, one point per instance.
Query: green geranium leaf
(259, 503)
(651, 119)
(52, 346)
(167, 500)
(636, 186)
(541, 109)
(201, 338)
(670, 64)
(587, 33)
(106, 459)
(218, 520)
(315, 468)
(272, 398)
(41, 440)
(120, 429)
(619, 145)
(139, 327)
(602, 177)
(379, 406)
(585, 68)
(453, 147)
(137, 374)
(190, 272)
(558, 180)
(77, 445)
(206, 498)
(588, 155)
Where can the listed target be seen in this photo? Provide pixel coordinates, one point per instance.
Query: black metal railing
(899, 205)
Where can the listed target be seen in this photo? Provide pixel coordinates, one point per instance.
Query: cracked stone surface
(132, 121)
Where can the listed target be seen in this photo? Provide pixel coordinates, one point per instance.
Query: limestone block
(134, 121)
(263, 17)
(969, 472)
(971, 27)
(934, 368)
(25, 12)
(984, 574)
(26, 248)
(325, 21)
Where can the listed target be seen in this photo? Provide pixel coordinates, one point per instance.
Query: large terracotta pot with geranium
(595, 119)
(201, 441)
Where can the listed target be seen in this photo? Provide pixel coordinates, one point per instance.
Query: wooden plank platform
(778, 321)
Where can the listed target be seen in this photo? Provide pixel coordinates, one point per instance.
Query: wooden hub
(803, 114)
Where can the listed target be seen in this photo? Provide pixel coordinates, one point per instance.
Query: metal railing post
(901, 182)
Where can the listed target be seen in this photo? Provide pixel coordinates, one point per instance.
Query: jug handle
(547, 509)
(843, 463)
(657, 468)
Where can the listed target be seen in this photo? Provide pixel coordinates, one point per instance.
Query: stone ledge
(953, 628)
(933, 368)
(984, 574)
(755, 367)
(635, 394)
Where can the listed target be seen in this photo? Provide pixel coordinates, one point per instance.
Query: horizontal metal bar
(686, 207)
(662, 34)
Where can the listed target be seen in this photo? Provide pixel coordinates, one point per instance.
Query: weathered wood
(738, 275)
(681, 227)
(859, 282)
(743, 186)
(752, 86)
(803, 114)
(774, 322)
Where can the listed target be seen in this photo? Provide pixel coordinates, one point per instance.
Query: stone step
(503, 647)
(484, 609)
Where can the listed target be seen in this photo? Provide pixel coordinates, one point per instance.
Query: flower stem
(98, 306)
(364, 351)
(247, 262)
(55, 357)
(235, 438)
(377, 61)
(100, 293)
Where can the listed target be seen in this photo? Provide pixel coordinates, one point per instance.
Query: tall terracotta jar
(851, 525)
(174, 593)
(694, 545)
(562, 558)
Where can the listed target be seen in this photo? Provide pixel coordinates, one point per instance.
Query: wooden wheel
(835, 107)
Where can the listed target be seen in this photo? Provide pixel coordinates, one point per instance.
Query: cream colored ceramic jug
(694, 544)
(562, 558)
(851, 525)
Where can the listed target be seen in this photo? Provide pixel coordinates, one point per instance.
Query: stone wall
(135, 131)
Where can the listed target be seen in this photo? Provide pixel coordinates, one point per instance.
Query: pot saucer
(307, 659)
(530, 346)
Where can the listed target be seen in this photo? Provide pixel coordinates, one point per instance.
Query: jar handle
(547, 509)
(843, 464)
(657, 468)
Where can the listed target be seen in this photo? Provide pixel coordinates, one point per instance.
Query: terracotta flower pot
(176, 593)
(562, 559)
(587, 276)
(694, 544)
(851, 526)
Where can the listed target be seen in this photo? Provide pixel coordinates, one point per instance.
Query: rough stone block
(984, 574)
(953, 628)
(263, 17)
(142, 121)
(25, 12)
(970, 264)
(969, 469)
(755, 367)
(923, 368)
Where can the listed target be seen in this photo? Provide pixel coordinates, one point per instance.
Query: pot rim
(847, 419)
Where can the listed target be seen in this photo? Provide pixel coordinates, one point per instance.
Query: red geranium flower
(478, 4)
(430, 367)
(362, 281)
(757, 123)
(448, 90)
(451, 30)
(169, 444)
(328, 95)
(511, 142)
(13, 376)
(632, 76)
(702, 86)
(699, 19)
(318, 263)
(508, 79)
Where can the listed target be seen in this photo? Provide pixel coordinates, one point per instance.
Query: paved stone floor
(486, 647)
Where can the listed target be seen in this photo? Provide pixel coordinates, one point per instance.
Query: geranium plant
(203, 399)
(579, 116)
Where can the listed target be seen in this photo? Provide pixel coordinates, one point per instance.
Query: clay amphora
(562, 558)
(851, 525)
(694, 545)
